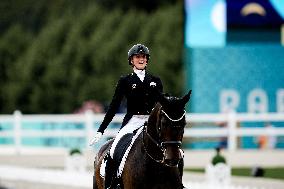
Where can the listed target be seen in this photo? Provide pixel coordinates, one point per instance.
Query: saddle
(115, 165)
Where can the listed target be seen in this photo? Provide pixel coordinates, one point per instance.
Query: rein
(154, 141)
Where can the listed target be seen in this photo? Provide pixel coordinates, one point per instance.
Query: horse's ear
(186, 98)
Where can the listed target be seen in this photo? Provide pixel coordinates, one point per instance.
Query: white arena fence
(231, 130)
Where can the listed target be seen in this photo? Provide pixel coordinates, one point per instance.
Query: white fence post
(89, 126)
(17, 131)
(232, 136)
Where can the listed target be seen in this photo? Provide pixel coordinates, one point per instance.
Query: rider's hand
(96, 138)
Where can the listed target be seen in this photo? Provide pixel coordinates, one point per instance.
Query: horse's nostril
(171, 162)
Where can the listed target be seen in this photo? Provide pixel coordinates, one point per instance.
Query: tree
(78, 56)
(13, 46)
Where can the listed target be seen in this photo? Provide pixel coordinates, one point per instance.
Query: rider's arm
(160, 85)
(114, 105)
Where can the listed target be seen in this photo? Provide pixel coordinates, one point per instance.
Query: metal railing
(230, 128)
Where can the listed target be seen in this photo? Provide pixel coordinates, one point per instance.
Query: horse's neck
(151, 146)
(152, 125)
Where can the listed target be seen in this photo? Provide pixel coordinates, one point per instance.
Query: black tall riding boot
(109, 172)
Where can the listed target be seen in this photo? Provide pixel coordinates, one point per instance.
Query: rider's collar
(140, 74)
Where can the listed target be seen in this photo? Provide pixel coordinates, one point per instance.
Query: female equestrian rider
(140, 89)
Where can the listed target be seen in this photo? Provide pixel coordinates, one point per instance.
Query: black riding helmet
(138, 49)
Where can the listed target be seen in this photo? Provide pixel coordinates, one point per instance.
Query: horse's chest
(154, 178)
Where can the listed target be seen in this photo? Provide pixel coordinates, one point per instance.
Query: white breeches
(134, 123)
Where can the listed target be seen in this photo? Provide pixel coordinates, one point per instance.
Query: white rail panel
(229, 129)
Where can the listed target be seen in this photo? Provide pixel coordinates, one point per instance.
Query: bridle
(161, 145)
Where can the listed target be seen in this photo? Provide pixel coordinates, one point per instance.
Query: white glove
(96, 138)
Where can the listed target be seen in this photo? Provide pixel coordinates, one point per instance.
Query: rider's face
(139, 61)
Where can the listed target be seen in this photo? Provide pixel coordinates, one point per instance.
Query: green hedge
(79, 55)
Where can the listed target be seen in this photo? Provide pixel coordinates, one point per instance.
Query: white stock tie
(140, 74)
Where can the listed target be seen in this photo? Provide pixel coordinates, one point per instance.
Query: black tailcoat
(141, 97)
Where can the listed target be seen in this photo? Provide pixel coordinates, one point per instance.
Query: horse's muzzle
(172, 155)
(171, 162)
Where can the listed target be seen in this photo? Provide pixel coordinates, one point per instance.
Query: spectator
(92, 105)
(267, 141)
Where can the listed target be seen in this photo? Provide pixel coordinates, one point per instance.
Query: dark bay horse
(153, 159)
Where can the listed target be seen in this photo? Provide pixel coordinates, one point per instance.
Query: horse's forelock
(174, 107)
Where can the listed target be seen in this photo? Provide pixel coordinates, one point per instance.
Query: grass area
(269, 172)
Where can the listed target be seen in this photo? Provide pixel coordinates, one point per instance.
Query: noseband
(161, 145)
